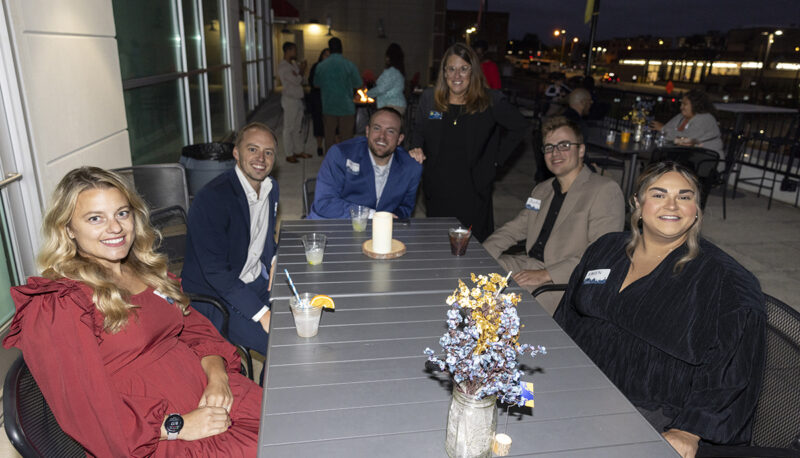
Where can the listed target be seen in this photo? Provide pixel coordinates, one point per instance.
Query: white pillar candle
(382, 232)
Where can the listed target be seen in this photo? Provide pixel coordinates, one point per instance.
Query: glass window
(197, 102)
(156, 122)
(218, 103)
(213, 33)
(147, 38)
(191, 29)
(8, 272)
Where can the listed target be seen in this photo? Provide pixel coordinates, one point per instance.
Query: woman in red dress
(126, 365)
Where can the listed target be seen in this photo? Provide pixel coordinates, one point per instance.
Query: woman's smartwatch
(173, 424)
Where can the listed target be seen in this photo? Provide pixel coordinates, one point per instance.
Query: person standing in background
(489, 68)
(315, 103)
(291, 75)
(388, 91)
(337, 77)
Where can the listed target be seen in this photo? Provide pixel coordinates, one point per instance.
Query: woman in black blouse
(673, 321)
(463, 130)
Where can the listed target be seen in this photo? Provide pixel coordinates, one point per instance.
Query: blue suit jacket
(341, 187)
(217, 242)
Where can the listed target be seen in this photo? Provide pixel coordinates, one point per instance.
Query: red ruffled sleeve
(203, 338)
(200, 335)
(58, 329)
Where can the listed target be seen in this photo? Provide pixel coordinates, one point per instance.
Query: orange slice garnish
(321, 300)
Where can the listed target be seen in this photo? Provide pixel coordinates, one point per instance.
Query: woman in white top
(695, 125)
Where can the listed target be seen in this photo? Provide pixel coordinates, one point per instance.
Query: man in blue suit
(372, 171)
(230, 245)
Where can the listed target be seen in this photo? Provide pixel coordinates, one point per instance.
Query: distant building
(741, 63)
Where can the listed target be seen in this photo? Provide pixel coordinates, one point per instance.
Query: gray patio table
(360, 389)
(630, 152)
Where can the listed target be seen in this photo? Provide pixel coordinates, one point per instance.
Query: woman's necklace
(460, 111)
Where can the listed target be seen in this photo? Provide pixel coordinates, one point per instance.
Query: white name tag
(164, 296)
(533, 204)
(596, 277)
(353, 167)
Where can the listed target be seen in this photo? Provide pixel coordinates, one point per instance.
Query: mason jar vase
(471, 424)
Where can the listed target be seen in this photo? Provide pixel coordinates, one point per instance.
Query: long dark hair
(700, 102)
(322, 53)
(477, 97)
(394, 53)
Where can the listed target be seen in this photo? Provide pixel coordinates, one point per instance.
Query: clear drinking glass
(459, 239)
(359, 217)
(314, 245)
(306, 317)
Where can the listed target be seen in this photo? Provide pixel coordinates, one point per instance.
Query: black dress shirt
(537, 250)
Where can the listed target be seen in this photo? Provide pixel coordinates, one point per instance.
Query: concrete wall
(71, 88)
(408, 23)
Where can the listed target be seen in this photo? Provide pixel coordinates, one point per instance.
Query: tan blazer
(594, 206)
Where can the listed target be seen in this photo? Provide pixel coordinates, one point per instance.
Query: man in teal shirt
(337, 77)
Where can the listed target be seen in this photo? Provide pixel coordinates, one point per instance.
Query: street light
(770, 39)
(571, 47)
(469, 31)
(563, 34)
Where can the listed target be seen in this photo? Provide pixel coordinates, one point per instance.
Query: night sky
(623, 18)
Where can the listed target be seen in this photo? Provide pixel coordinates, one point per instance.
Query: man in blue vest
(230, 244)
(373, 172)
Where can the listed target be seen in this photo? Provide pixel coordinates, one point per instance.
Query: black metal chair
(247, 359)
(776, 426)
(172, 223)
(309, 185)
(703, 162)
(160, 185)
(549, 287)
(29, 422)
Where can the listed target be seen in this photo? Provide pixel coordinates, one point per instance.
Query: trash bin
(204, 161)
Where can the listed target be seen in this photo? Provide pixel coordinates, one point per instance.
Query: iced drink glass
(625, 136)
(459, 239)
(306, 317)
(359, 216)
(314, 245)
(611, 136)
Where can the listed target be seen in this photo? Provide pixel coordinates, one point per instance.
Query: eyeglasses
(548, 148)
(464, 70)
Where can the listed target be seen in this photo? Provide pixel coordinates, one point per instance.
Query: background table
(629, 152)
(359, 388)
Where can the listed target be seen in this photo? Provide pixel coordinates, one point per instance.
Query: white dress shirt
(259, 224)
(381, 175)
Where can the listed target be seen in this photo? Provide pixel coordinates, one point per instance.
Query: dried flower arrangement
(481, 344)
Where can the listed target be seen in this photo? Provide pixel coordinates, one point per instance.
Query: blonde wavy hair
(59, 256)
(645, 180)
(477, 97)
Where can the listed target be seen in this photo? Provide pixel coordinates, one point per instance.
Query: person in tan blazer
(556, 237)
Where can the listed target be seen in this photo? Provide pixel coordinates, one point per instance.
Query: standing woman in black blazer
(463, 131)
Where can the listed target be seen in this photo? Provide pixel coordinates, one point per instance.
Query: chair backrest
(29, 422)
(160, 185)
(777, 418)
(309, 185)
(171, 222)
(702, 161)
